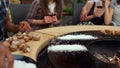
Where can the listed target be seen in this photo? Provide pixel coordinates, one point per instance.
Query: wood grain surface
(50, 33)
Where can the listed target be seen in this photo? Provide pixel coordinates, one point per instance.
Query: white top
(94, 0)
(67, 48)
(51, 7)
(116, 16)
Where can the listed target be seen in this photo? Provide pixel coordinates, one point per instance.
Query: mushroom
(117, 32)
(109, 32)
(19, 33)
(30, 36)
(103, 32)
(20, 36)
(21, 41)
(24, 34)
(9, 39)
(15, 43)
(113, 33)
(25, 48)
(13, 48)
(21, 46)
(36, 37)
(26, 38)
(15, 38)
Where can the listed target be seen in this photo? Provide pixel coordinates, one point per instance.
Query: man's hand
(24, 26)
(5, 54)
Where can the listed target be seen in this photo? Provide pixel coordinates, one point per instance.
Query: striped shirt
(3, 13)
(36, 13)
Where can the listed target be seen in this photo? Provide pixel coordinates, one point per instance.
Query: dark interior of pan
(104, 50)
(105, 45)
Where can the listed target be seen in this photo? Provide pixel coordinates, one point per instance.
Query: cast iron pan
(106, 47)
(44, 62)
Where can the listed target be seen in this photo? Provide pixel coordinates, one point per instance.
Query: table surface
(46, 35)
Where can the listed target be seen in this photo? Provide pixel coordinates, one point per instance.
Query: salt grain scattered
(67, 48)
(75, 37)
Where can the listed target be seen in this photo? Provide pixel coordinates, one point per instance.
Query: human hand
(107, 3)
(24, 26)
(5, 54)
(55, 20)
(83, 15)
(48, 19)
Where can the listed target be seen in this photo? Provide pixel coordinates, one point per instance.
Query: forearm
(107, 17)
(88, 18)
(36, 22)
(11, 27)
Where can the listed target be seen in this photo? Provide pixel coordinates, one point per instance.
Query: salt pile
(75, 37)
(23, 64)
(67, 48)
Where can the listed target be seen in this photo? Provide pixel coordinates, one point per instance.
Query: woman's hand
(5, 54)
(24, 26)
(83, 14)
(48, 19)
(55, 20)
(107, 3)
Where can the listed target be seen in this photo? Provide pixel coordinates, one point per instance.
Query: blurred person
(116, 14)
(6, 24)
(85, 8)
(44, 13)
(97, 14)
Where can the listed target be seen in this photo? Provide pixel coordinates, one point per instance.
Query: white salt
(67, 48)
(75, 37)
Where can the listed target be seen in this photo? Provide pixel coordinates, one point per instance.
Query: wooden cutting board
(50, 33)
(57, 31)
(36, 46)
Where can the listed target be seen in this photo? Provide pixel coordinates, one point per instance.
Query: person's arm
(33, 12)
(108, 13)
(5, 54)
(36, 22)
(9, 25)
(85, 10)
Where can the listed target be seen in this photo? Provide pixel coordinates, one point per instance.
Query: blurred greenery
(70, 9)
